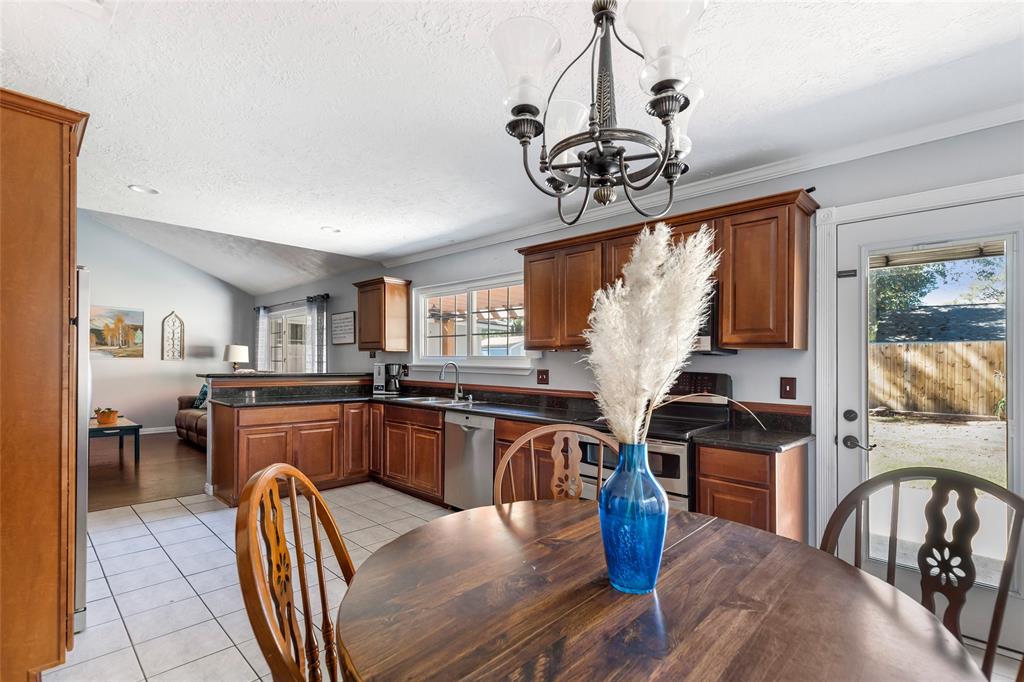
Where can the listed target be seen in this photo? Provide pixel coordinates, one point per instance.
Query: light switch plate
(787, 388)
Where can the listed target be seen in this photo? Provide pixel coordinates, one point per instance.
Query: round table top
(521, 591)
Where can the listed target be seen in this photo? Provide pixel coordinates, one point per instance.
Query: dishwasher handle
(469, 422)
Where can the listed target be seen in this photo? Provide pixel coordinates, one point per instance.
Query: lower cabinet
(518, 480)
(315, 451)
(356, 443)
(328, 442)
(376, 437)
(413, 450)
(397, 444)
(763, 490)
(425, 460)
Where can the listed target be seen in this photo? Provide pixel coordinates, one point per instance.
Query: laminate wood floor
(168, 468)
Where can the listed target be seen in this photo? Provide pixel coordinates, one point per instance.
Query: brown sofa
(190, 422)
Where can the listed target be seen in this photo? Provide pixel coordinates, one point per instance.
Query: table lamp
(236, 355)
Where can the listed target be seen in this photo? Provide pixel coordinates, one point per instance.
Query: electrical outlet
(542, 376)
(787, 388)
(373, 354)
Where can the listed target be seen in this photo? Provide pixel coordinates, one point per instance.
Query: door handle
(852, 443)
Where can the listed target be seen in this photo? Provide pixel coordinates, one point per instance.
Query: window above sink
(477, 323)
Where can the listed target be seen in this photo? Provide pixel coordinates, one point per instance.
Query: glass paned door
(928, 318)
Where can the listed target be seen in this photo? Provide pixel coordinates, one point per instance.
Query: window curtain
(316, 333)
(262, 338)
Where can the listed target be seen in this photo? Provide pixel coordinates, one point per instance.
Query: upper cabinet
(383, 322)
(559, 286)
(763, 279)
(762, 274)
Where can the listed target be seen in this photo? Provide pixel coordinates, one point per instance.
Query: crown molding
(770, 171)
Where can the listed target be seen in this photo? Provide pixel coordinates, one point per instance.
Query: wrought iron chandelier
(590, 152)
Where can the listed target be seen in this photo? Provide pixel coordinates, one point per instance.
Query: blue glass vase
(634, 514)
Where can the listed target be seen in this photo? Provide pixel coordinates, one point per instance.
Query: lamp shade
(681, 124)
(236, 353)
(525, 47)
(663, 28)
(564, 117)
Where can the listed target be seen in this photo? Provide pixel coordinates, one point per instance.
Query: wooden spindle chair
(267, 575)
(947, 567)
(564, 454)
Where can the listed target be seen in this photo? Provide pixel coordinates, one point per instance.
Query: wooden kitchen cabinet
(763, 279)
(328, 442)
(759, 489)
(397, 444)
(259, 447)
(762, 274)
(39, 145)
(425, 460)
(355, 451)
(376, 437)
(520, 468)
(413, 453)
(383, 314)
(559, 288)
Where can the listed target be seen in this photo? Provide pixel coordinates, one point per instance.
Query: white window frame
(481, 364)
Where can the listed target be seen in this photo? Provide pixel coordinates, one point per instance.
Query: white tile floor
(163, 595)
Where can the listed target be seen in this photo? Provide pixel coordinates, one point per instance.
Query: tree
(989, 285)
(901, 287)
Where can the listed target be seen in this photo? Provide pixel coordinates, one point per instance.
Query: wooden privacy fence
(948, 377)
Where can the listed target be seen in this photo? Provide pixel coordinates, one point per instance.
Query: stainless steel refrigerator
(82, 438)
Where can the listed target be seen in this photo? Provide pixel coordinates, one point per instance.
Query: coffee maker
(386, 377)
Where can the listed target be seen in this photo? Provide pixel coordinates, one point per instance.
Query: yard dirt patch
(974, 447)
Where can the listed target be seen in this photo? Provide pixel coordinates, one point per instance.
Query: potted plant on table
(642, 329)
(105, 416)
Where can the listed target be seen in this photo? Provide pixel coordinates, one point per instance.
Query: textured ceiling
(254, 266)
(270, 119)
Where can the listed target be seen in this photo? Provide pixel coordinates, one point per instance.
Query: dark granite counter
(284, 375)
(753, 438)
(273, 401)
(661, 427)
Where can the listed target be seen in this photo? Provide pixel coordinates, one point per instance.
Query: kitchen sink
(438, 401)
(427, 400)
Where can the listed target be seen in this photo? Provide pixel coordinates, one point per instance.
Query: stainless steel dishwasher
(468, 460)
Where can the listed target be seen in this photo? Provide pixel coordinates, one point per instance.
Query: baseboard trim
(145, 431)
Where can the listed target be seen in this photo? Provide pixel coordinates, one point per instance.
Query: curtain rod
(300, 300)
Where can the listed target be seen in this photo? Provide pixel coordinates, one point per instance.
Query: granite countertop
(661, 428)
(753, 438)
(280, 375)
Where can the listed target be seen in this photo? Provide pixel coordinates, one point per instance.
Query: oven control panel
(703, 382)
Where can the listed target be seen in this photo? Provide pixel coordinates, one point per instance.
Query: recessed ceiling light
(143, 189)
(331, 228)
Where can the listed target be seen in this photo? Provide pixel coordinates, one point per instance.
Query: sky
(948, 292)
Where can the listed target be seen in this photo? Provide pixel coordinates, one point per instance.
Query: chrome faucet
(458, 387)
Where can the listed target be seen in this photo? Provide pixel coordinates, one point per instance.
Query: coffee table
(119, 429)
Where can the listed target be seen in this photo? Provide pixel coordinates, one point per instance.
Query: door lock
(850, 415)
(852, 443)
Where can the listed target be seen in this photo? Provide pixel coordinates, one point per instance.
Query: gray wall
(982, 155)
(129, 274)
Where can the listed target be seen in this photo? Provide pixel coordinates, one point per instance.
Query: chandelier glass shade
(582, 147)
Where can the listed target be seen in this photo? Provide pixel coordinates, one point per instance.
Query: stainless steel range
(670, 450)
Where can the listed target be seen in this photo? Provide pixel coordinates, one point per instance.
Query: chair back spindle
(946, 566)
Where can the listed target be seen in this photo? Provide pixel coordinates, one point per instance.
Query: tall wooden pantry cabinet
(39, 144)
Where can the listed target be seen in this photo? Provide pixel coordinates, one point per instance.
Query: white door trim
(828, 221)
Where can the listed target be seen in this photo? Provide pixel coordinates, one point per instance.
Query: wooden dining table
(520, 591)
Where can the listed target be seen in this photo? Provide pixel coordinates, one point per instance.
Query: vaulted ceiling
(271, 119)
